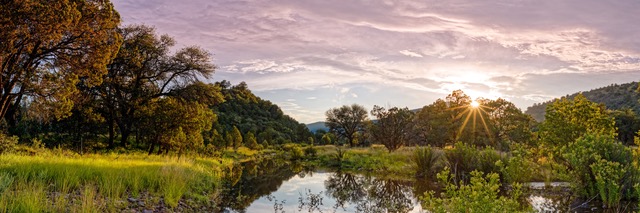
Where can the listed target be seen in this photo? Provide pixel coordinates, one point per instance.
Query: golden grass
(39, 183)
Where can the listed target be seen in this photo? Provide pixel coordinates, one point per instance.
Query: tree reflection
(369, 194)
(244, 183)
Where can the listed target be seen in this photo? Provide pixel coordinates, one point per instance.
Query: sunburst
(472, 111)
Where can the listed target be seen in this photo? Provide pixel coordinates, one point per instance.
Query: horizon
(310, 56)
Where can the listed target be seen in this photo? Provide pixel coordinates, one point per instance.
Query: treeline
(492, 123)
(621, 100)
(578, 141)
(614, 97)
(75, 78)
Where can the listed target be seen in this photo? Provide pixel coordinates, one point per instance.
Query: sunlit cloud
(404, 53)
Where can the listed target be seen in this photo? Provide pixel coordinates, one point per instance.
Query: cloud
(410, 53)
(524, 50)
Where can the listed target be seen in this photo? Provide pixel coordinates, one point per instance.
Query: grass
(103, 182)
(372, 159)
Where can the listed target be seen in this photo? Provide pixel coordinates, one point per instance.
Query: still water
(281, 186)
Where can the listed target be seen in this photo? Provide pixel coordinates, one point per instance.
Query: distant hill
(614, 96)
(313, 127)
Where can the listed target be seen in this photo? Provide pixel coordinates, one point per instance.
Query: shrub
(310, 151)
(480, 195)
(7, 143)
(601, 167)
(294, 150)
(427, 160)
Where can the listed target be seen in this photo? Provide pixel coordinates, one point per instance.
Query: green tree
(567, 120)
(48, 47)
(433, 125)
(326, 138)
(391, 127)
(173, 124)
(143, 71)
(250, 141)
(236, 137)
(346, 121)
(627, 123)
(508, 123)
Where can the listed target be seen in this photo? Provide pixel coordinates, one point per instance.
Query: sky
(308, 56)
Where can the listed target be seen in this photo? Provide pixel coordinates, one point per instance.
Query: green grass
(102, 182)
(372, 159)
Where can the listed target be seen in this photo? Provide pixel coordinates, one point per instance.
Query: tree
(567, 120)
(508, 123)
(144, 71)
(346, 121)
(236, 137)
(171, 123)
(433, 124)
(326, 138)
(392, 126)
(627, 123)
(250, 141)
(47, 47)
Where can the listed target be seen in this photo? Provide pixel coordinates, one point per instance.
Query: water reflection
(280, 186)
(246, 182)
(369, 194)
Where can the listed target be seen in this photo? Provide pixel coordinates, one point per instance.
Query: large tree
(145, 70)
(47, 47)
(508, 123)
(391, 127)
(346, 121)
(567, 120)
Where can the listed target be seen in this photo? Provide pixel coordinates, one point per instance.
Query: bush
(427, 160)
(463, 159)
(294, 150)
(480, 195)
(7, 143)
(601, 167)
(310, 151)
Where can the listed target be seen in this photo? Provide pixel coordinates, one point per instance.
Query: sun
(475, 104)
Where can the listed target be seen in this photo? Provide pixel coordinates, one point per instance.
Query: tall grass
(35, 183)
(427, 161)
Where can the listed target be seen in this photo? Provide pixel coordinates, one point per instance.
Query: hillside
(313, 127)
(250, 113)
(613, 96)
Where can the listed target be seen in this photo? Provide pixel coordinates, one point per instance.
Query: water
(281, 186)
(338, 192)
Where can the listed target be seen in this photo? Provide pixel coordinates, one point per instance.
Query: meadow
(59, 181)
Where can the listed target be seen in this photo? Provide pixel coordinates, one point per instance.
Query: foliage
(249, 113)
(7, 143)
(462, 159)
(391, 127)
(144, 71)
(250, 141)
(310, 151)
(601, 167)
(427, 161)
(517, 167)
(43, 60)
(100, 182)
(614, 96)
(294, 151)
(346, 121)
(236, 138)
(480, 195)
(171, 124)
(627, 124)
(567, 120)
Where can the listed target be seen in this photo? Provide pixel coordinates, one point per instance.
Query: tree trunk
(111, 133)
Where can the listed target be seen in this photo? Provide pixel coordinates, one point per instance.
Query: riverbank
(62, 181)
